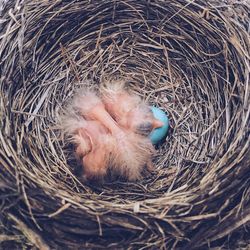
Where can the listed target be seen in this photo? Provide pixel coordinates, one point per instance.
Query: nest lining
(188, 58)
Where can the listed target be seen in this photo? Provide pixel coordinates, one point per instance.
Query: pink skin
(102, 142)
(99, 112)
(128, 110)
(92, 151)
(122, 144)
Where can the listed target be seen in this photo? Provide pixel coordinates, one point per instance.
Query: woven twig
(190, 58)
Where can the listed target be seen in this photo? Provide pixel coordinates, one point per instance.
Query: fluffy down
(105, 132)
(128, 109)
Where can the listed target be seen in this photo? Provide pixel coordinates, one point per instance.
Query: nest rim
(198, 75)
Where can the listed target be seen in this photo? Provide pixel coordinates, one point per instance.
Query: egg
(159, 133)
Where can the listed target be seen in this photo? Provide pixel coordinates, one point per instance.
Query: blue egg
(159, 133)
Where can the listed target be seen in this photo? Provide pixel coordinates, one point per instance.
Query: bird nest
(190, 58)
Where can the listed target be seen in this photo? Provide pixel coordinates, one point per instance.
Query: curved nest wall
(191, 58)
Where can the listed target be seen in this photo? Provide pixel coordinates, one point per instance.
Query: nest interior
(188, 57)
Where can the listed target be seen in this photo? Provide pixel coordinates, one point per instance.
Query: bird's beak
(157, 124)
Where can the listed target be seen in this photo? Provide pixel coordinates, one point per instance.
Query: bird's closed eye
(144, 128)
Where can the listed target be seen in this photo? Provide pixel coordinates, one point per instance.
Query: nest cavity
(191, 58)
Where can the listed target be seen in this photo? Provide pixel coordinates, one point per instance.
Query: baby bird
(100, 146)
(123, 152)
(128, 109)
(93, 143)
